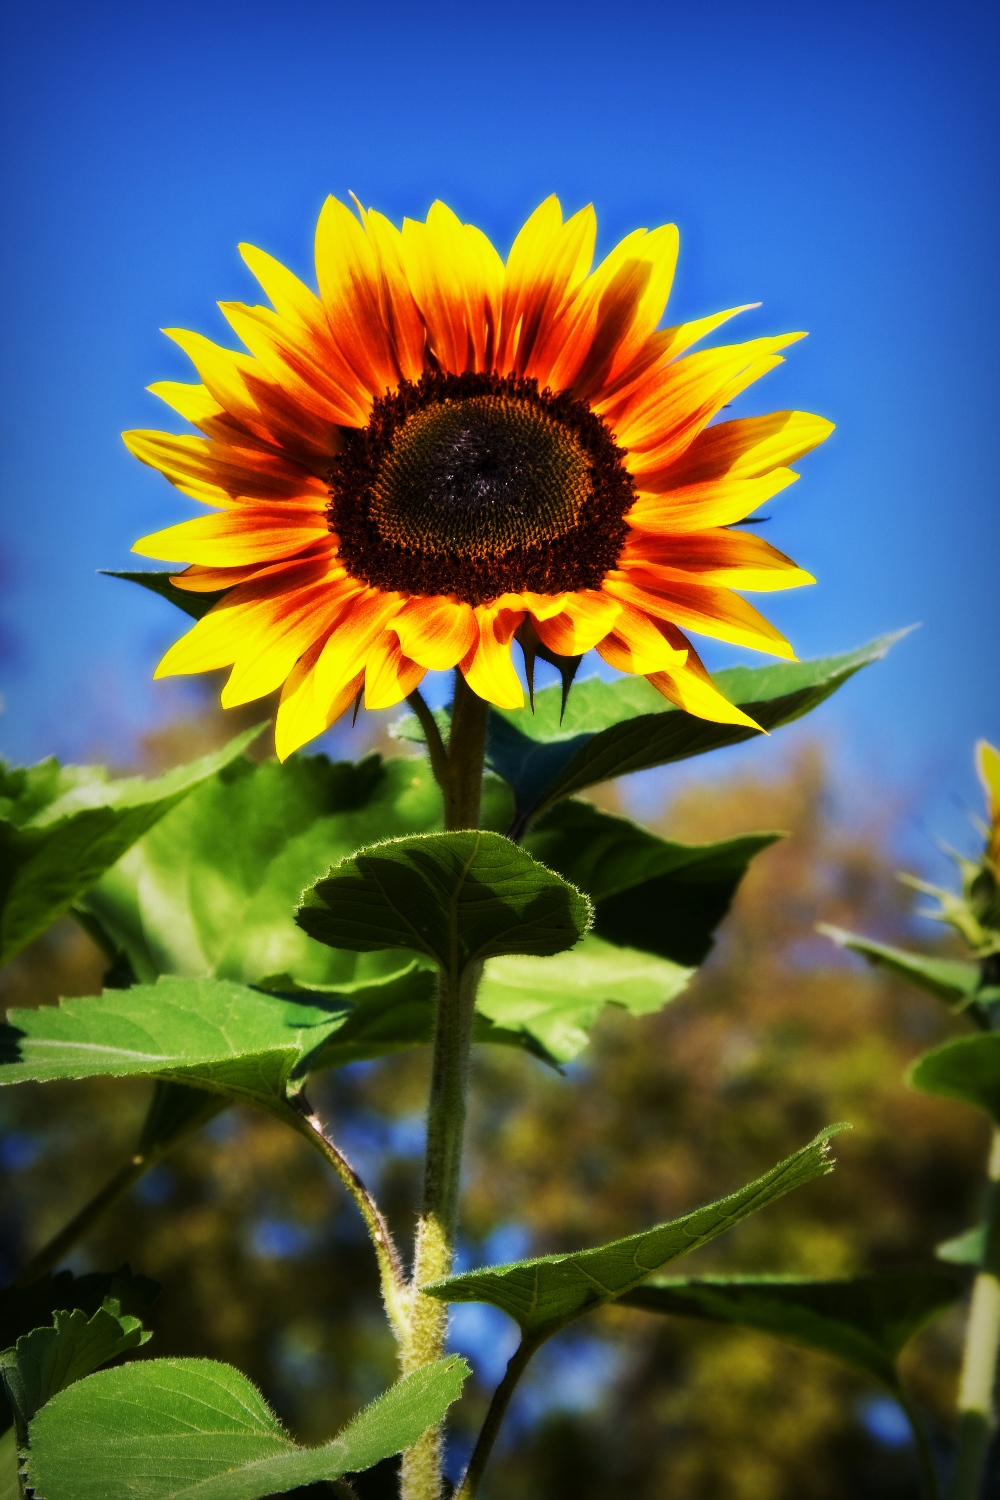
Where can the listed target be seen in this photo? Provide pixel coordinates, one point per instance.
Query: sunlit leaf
(648, 892)
(864, 1321)
(557, 1000)
(457, 898)
(545, 1294)
(62, 827)
(967, 1069)
(194, 1429)
(948, 979)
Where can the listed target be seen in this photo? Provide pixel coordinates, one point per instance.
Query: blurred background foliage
(265, 1264)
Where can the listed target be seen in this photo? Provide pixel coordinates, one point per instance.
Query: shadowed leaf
(948, 979)
(967, 1069)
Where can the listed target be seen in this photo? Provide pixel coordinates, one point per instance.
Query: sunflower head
(438, 451)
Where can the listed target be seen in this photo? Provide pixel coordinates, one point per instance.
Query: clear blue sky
(837, 162)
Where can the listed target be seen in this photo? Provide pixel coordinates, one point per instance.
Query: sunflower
(440, 452)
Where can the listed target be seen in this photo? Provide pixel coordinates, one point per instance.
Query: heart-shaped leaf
(967, 1069)
(648, 892)
(864, 1321)
(62, 827)
(947, 979)
(557, 1000)
(194, 1429)
(545, 1294)
(457, 898)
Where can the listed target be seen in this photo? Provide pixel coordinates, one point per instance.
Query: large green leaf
(206, 1032)
(947, 979)
(864, 1321)
(544, 1295)
(557, 1000)
(457, 898)
(213, 888)
(49, 1359)
(648, 893)
(193, 1429)
(10, 1489)
(612, 728)
(62, 827)
(967, 1069)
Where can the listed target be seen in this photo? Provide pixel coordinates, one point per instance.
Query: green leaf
(211, 891)
(195, 605)
(967, 1069)
(968, 1249)
(62, 827)
(947, 979)
(544, 1295)
(47, 1360)
(613, 728)
(864, 1321)
(557, 1000)
(648, 893)
(206, 1032)
(457, 898)
(193, 1429)
(10, 1489)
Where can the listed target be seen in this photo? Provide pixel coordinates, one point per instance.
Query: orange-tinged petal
(269, 653)
(713, 612)
(735, 559)
(436, 630)
(389, 674)
(660, 348)
(404, 325)
(747, 448)
(637, 645)
(289, 296)
(348, 647)
(350, 285)
(547, 262)
(691, 687)
(203, 580)
(218, 474)
(715, 502)
(487, 667)
(457, 279)
(301, 714)
(582, 619)
(247, 534)
(302, 363)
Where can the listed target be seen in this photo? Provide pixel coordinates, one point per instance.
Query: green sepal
(62, 827)
(968, 1249)
(195, 605)
(545, 1294)
(195, 1429)
(947, 979)
(864, 1321)
(457, 898)
(967, 1069)
(648, 893)
(557, 1000)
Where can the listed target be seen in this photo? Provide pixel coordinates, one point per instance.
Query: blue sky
(837, 163)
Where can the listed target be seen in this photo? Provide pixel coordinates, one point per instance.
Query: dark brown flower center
(479, 485)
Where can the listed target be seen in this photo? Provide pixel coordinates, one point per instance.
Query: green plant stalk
(929, 1487)
(421, 1477)
(976, 1396)
(490, 1429)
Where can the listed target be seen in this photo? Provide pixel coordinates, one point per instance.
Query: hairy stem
(436, 749)
(982, 1344)
(435, 1243)
(394, 1293)
(494, 1418)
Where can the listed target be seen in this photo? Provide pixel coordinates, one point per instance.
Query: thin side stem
(62, 1243)
(976, 1397)
(436, 749)
(927, 1469)
(394, 1292)
(494, 1419)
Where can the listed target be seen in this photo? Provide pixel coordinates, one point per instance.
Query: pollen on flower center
(479, 485)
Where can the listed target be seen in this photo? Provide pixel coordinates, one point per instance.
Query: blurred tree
(264, 1264)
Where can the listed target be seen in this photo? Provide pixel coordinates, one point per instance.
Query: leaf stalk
(976, 1396)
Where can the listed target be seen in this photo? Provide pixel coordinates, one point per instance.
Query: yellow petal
(349, 644)
(637, 645)
(301, 714)
(747, 447)
(269, 653)
(580, 621)
(734, 559)
(195, 403)
(389, 675)
(436, 631)
(713, 612)
(715, 502)
(246, 534)
(691, 688)
(289, 296)
(487, 667)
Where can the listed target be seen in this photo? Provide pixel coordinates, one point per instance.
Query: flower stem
(927, 1470)
(436, 749)
(421, 1477)
(976, 1412)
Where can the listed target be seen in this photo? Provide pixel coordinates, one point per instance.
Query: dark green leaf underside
(967, 1069)
(947, 979)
